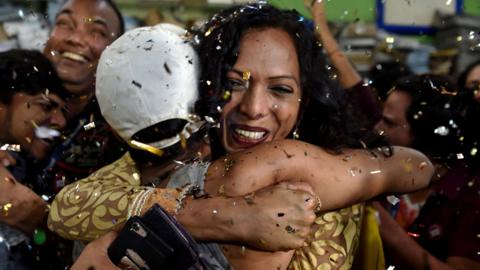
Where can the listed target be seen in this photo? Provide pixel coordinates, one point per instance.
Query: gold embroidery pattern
(91, 207)
(335, 241)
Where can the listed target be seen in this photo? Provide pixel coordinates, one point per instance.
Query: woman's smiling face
(265, 88)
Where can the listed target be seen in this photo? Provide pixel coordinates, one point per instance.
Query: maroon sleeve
(464, 240)
(362, 96)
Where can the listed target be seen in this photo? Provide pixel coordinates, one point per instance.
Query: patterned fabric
(91, 207)
(335, 241)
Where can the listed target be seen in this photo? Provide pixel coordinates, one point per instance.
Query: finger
(6, 176)
(6, 159)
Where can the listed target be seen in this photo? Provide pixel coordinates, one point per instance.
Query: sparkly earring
(296, 134)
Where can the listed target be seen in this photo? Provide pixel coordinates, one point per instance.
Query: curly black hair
(29, 72)
(432, 115)
(324, 118)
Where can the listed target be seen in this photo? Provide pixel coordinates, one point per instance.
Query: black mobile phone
(138, 247)
(154, 241)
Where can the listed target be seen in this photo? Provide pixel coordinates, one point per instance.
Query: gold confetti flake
(246, 75)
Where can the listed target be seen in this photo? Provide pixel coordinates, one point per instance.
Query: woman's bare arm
(347, 74)
(338, 179)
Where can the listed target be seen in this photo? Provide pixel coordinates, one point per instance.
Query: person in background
(360, 95)
(444, 235)
(32, 103)
(470, 78)
(383, 75)
(419, 112)
(82, 30)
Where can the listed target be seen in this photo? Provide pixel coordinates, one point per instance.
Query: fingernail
(5, 162)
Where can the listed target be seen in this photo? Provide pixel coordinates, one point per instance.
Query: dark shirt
(90, 145)
(449, 223)
(361, 96)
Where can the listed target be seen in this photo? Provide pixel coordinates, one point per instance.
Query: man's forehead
(93, 11)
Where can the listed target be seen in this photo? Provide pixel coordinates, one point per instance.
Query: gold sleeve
(335, 239)
(91, 207)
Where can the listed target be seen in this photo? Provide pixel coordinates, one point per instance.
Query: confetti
(89, 126)
(249, 198)
(473, 152)
(39, 237)
(460, 156)
(442, 131)
(228, 163)
(246, 75)
(393, 200)
(221, 190)
(414, 235)
(209, 31)
(6, 207)
(11, 147)
(354, 171)
(290, 229)
(226, 95)
(422, 165)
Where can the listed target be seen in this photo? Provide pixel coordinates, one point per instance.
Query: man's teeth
(43, 132)
(74, 57)
(250, 134)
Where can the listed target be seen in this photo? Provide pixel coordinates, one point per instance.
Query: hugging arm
(339, 180)
(91, 207)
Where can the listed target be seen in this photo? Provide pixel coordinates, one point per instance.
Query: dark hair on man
(323, 119)
(462, 78)
(432, 115)
(384, 74)
(121, 21)
(29, 72)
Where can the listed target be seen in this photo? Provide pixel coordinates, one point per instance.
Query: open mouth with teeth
(74, 57)
(247, 136)
(46, 135)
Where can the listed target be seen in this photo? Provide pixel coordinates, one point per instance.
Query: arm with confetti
(339, 180)
(359, 174)
(21, 208)
(91, 207)
(348, 76)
